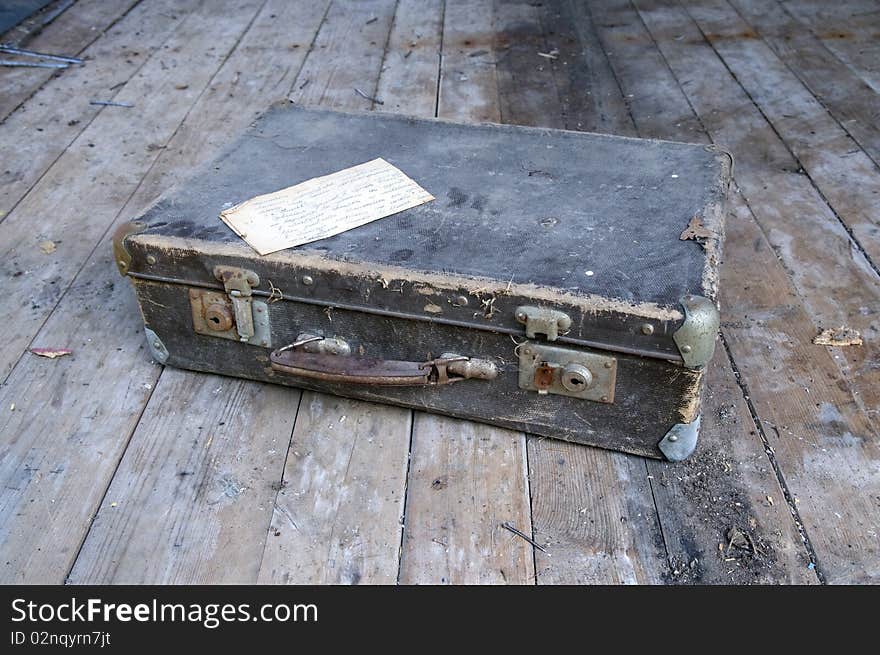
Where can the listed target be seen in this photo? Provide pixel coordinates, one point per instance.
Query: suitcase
(562, 283)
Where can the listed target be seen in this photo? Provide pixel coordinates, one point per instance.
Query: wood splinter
(534, 543)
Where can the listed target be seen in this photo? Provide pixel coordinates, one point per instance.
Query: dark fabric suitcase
(561, 283)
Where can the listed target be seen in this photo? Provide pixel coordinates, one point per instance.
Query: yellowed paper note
(324, 206)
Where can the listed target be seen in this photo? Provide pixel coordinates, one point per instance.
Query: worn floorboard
(228, 103)
(41, 130)
(786, 205)
(852, 102)
(723, 489)
(848, 28)
(104, 166)
(69, 34)
(67, 456)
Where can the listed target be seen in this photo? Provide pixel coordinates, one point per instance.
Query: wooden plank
(409, 78)
(835, 164)
(525, 79)
(70, 34)
(786, 207)
(338, 518)
(593, 512)
(823, 443)
(588, 91)
(591, 509)
(227, 105)
(196, 485)
(726, 483)
(40, 131)
(103, 166)
(847, 179)
(333, 72)
(467, 75)
(848, 29)
(854, 104)
(57, 462)
(465, 479)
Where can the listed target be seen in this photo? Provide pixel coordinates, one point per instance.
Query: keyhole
(214, 320)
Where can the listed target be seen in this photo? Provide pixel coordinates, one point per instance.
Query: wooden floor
(115, 470)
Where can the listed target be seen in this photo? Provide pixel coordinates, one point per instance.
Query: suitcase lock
(234, 314)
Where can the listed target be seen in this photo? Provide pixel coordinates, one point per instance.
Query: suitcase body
(563, 284)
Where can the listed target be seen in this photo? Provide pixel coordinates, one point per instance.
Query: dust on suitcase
(561, 283)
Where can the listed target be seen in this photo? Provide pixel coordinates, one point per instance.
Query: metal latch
(540, 320)
(238, 283)
(575, 373)
(235, 314)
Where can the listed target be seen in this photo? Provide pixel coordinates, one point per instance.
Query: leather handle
(383, 372)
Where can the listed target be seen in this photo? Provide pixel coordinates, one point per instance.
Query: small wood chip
(48, 247)
(695, 230)
(51, 353)
(840, 336)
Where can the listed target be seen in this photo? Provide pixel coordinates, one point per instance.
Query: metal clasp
(234, 314)
(540, 320)
(239, 283)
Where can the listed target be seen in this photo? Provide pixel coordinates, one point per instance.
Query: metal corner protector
(681, 440)
(697, 335)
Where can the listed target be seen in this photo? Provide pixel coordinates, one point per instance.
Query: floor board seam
(406, 481)
(374, 97)
(852, 237)
(440, 60)
(103, 237)
(85, 126)
(526, 439)
(85, 46)
(777, 469)
(110, 478)
(281, 483)
(802, 79)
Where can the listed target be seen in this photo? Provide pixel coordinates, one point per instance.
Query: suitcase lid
(584, 224)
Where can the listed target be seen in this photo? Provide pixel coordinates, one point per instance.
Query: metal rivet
(157, 345)
(307, 280)
(673, 437)
(151, 260)
(521, 316)
(608, 364)
(604, 399)
(685, 349)
(122, 264)
(647, 329)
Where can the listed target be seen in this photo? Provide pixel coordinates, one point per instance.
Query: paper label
(324, 206)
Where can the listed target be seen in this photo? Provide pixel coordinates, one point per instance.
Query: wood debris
(47, 246)
(522, 535)
(839, 336)
(51, 353)
(695, 230)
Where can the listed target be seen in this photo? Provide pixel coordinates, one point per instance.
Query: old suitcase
(562, 283)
